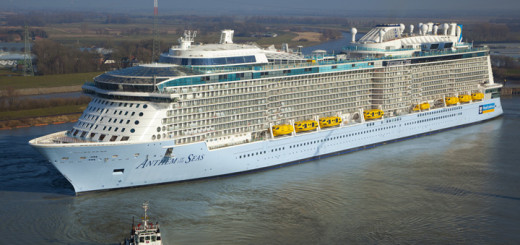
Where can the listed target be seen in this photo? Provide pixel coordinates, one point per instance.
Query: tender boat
(464, 98)
(452, 100)
(477, 96)
(373, 114)
(307, 125)
(282, 129)
(421, 107)
(326, 122)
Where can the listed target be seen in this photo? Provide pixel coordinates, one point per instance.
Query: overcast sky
(268, 7)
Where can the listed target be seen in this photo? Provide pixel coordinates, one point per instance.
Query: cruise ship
(207, 110)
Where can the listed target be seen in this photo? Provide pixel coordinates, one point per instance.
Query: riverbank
(38, 121)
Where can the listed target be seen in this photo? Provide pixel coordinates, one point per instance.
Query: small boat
(373, 114)
(307, 125)
(282, 129)
(464, 98)
(451, 100)
(477, 96)
(422, 106)
(145, 232)
(326, 122)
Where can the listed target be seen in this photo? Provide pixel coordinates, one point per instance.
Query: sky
(271, 7)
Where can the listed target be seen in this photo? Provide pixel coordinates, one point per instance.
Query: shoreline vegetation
(18, 109)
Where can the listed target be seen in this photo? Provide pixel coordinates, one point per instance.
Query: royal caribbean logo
(486, 108)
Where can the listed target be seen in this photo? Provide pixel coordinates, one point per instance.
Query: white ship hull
(107, 165)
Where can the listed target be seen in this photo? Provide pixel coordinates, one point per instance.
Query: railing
(356, 48)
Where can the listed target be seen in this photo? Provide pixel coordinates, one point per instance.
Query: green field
(47, 81)
(40, 112)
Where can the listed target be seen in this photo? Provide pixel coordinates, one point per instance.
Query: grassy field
(21, 82)
(41, 112)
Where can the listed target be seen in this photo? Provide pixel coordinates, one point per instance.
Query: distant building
(12, 54)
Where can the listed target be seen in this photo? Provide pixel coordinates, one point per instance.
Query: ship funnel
(411, 30)
(424, 29)
(381, 34)
(401, 28)
(453, 28)
(459, 32)
(420, 28)
(445, 28)
(435, 29)
(353, 31)
(226, 36)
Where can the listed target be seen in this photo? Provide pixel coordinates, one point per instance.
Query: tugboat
(145, 232)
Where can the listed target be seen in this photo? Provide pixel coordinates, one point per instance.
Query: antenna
(27, 57)
(155, 45)
(145, 219)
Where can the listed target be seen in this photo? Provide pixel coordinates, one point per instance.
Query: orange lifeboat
(308, 125)
(373, 114)
(282, 129)
(451, 100)
(326, 122)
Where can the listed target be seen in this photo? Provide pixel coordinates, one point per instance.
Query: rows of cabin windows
(322, 140)
(301, 84)
(94, 122)
(196, 117)
(432, 119)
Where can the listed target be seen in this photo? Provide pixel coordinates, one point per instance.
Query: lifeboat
(464, 98)
(373, 114)
(422, 106)
(329, 122)
(451, 100)
(307, 125)
(282, 129)
(477, 96)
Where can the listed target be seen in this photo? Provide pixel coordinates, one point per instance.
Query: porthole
(136, 122)
(158, 136)
(158, 129)
(145, 106)
(132, 130)
(141, 114)
(153, 137)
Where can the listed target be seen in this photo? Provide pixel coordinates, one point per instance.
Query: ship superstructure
(215, 109)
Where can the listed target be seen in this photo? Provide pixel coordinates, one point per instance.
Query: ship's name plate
(170, 160)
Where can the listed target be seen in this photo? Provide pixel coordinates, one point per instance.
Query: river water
(460, 186)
